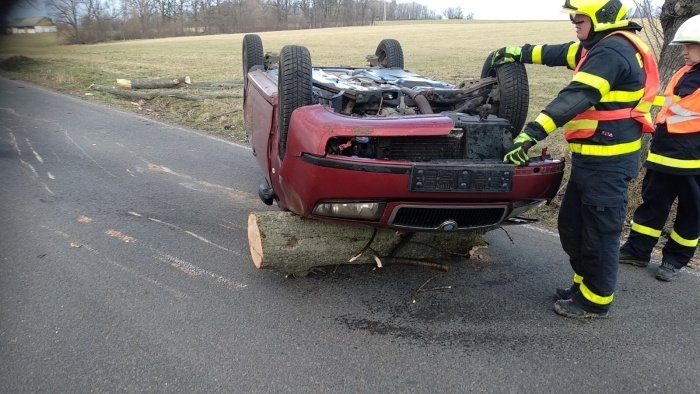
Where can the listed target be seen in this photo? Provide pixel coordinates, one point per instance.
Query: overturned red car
(385, 147)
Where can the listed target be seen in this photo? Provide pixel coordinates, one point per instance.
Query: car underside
(386, 147)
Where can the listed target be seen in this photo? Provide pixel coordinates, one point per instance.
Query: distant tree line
(89, 21)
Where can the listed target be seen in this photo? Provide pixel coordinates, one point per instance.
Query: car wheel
(294, 88)
(252, 56)
(514, 92)
(389, 54)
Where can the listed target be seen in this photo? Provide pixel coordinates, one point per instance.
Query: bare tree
(453, 13)
(68, 13)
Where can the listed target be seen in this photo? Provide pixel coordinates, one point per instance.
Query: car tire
(514, 92)
(294, 88)
(252, 56)
(389, 54)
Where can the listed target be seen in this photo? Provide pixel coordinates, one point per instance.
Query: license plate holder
(470, 178)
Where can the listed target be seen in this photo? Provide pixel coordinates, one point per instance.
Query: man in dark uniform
(673, 169)
(604, 110)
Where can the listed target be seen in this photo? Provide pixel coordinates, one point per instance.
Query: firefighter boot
(568, 308)
(667, 272)
(627, 258)
(564, 293)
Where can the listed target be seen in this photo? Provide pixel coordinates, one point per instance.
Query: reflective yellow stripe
(581, 124)
(619, 96)
(571, 55)
(690, 243)
(671, 162)
(593, 297)
(644, 106)
(639, 60)
(578, 279)
(606, 150)
(594, 81)
(645, 230)
(546, 122)
(659, 101)
(537, 54)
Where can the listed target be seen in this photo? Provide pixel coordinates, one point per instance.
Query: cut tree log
(153, 83)
(290, 244)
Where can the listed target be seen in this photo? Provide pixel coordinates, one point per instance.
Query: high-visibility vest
(584, 125)
(681, 115)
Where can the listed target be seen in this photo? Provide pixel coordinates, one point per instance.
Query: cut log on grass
(287, 243)
(153, 83)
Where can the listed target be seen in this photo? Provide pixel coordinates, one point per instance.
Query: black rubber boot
(667, 272)
(568, 308)
(626, 258)
(564, 293)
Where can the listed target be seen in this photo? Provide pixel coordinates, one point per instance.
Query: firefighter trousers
(659, 191)
(590, 222)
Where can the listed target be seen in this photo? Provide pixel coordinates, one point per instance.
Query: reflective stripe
(620, 96)
(659, 101)
(546, 122)
(571, 55)
(645, 230)
(537, 54)
(581, 124)
(593, 297)
(678, 110)
(671, 162)
(606, 150)
(690, 243)
(578, 279)
(594, 81)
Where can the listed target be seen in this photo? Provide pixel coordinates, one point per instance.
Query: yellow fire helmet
(688, 32)
(604, 14)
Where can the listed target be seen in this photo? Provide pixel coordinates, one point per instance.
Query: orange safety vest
(640, 112)
(681, 115)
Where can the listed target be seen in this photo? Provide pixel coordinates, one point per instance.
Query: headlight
(350, 210)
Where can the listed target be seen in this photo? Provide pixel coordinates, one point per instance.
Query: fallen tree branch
(174, 93)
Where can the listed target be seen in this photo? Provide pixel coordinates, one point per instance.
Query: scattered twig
(415, 293)
(416, 263)
(508, 235)
(365, 248)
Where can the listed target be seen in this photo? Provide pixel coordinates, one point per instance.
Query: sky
(507, 9)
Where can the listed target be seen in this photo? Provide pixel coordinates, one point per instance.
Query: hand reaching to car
(506, 55)
(518, 155)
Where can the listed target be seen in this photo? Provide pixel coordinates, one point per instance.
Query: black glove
(506, 55)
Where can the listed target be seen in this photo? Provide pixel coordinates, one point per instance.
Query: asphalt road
(124, 267)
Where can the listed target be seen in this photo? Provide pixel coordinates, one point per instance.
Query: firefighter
(672, 169)
(604, 110)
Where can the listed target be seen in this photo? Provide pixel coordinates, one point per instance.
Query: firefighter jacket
(613, 73)
(675, 147)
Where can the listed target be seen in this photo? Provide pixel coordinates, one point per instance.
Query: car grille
(429, 218)
(421, 149)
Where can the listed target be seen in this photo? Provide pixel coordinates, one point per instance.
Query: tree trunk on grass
(287, 243)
